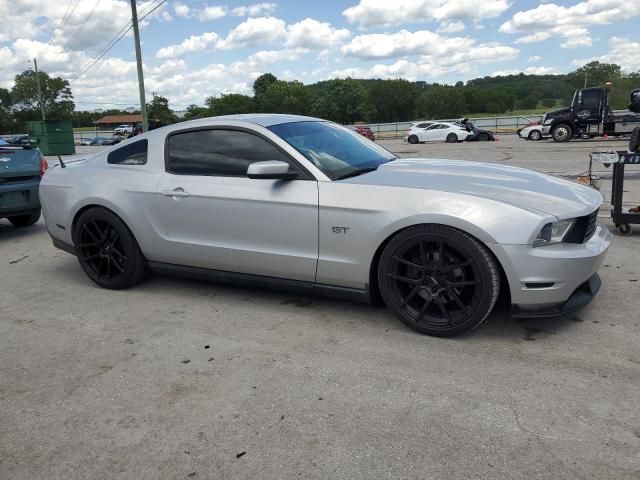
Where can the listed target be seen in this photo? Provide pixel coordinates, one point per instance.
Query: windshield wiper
(357, 172)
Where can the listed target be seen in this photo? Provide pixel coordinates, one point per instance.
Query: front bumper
(546, 130)
(552, 278)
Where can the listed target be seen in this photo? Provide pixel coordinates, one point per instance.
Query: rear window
(132, 154)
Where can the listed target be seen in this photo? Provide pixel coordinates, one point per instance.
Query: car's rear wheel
(108, 252)
(25, 220)
(452, 138)
(535, 135)
(438, 280)
(413, 139)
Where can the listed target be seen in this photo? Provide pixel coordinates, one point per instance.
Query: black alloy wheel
(535, 135)
(413, 139)
(438, 280)
(452, 138)
(107, 250)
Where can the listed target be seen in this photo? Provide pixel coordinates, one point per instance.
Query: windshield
(337, 151)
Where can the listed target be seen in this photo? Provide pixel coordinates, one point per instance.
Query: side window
(591, 99)
(422, 125)
(133, 154)
(218, 152)
(433, 126)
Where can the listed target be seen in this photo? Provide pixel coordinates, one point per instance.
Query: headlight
(553, 232)
(548, 121)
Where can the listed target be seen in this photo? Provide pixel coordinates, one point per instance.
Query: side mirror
(272, 170)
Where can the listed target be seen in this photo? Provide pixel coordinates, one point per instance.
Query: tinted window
(336, 151)
(218, 152)
(591, 99)
(423, 125)
(132, 154)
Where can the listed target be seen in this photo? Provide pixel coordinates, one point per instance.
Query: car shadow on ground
(8, 232)
(339, 313)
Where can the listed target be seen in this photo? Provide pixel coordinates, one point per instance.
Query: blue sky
(196, 48)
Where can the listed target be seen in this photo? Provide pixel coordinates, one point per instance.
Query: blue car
(21, 168)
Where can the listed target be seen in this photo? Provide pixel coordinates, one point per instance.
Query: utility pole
(35, 66)
(136, 36)
(585, 79)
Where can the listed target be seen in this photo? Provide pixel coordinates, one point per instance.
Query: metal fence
(502, 125)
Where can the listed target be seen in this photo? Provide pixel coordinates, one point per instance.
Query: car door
(218, 218)
(434, 132)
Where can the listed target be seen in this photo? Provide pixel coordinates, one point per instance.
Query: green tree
(392, 101)
(56, 98)
(595, 74)
(159, 111)
(262, 83)
(287, 97)
(527, 103)
(548, 102)
(6, 118)
(342, 101)
(441, 102)
(230, 104)
(194, 111)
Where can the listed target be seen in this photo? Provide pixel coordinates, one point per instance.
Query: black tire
(562, 133)
(452, 138)
(438, 280)
(107, 250)
(634, 141)
(25, 220)
(483, 137)
(624, 229)
(535, 135)
(413, 139)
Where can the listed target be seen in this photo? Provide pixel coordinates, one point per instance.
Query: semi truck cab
(590, 115)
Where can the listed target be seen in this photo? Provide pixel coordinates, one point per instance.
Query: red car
(364, 131)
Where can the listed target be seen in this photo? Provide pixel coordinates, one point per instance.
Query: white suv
(123, 130)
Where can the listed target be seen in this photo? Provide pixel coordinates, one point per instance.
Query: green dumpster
(52, 137)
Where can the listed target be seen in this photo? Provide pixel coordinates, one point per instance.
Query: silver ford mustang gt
(300, 203)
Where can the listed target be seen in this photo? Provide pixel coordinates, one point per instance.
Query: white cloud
(255, 10)
(621, 51)
(181, 10)
(212, 13)
(435, 65)
(451, 27)
(527, 71)
(193, 44)
(254, 31)
(312, 34)
(389, 12)
(534, 58)
(422, 42)
(550, 20)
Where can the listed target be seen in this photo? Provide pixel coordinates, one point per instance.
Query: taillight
(43, 165)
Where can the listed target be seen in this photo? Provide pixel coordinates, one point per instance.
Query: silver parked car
(300, 203)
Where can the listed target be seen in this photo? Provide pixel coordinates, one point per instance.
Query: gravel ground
(186, 379)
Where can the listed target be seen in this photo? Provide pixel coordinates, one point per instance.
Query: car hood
(512, 185)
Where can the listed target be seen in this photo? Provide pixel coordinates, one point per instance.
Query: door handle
(176, 192)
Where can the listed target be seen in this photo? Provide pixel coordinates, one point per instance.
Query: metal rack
(622, 217)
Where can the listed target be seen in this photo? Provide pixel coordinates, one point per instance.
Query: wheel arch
(106, 206)
(374, 289)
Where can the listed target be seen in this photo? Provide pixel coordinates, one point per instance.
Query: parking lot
(180, 378)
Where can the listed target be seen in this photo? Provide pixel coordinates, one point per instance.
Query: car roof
(263, 119)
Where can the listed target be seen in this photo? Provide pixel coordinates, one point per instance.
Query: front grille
(583, 229)
(4, 181)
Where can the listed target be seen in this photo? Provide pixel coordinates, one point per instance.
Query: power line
(62, 20)
(114, 41)
(82, 25)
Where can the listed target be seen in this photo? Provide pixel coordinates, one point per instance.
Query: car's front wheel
(535, 135)
(107, 250)
(438, 280)
(25, 220)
